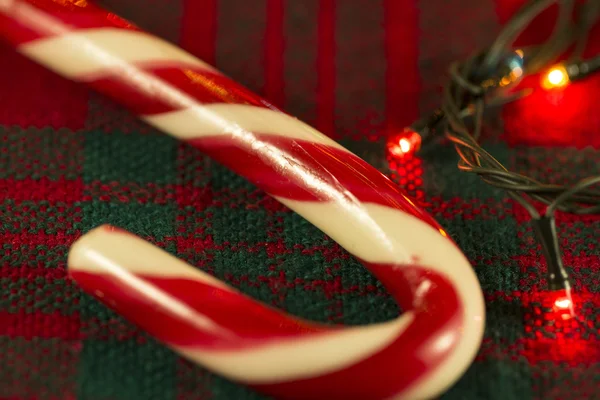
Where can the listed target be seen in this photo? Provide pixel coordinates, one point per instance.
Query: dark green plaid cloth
(356, 69)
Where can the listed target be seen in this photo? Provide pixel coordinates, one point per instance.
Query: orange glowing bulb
(555, 78)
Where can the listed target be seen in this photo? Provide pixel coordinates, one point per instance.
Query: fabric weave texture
(358, 70)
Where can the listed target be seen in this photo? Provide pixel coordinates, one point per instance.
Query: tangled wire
(471, 87)
(480, 81)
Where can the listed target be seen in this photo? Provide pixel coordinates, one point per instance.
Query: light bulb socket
(426, 127)
(581, 70)
(545, 230)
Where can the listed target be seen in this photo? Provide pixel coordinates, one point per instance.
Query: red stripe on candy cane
(406, 358)
(147, 98)
(210, 321)
(343, 170)
(417, 355)
(23, 22)
(252, 322)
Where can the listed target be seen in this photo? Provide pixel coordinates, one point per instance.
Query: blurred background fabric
(358, 70)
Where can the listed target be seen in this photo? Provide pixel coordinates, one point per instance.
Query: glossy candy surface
(417, 355)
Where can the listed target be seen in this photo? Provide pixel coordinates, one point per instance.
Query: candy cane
(417, 355)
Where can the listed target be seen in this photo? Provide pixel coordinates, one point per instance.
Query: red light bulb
(403, 144)
(562, 303)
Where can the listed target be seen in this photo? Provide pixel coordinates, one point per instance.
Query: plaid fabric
(356, 69)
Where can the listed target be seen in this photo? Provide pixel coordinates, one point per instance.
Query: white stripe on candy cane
(302, 357)
(114, 50)
(359, 233)
(127, 249)
(256, 366)
(232, 119)
(262, 365)
(104, 251)
(94, 52)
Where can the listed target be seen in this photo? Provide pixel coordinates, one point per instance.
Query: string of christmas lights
(484, 81)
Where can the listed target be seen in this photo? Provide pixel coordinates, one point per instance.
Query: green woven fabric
(356, 69)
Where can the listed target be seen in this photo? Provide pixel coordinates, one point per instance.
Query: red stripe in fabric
(33, 97)
(300, 58)
(43, 238)
(306, 158)
(581, 351)
(241, 41)
(360, 69)
(537, 31)
(69, 192)
(61, 190)
(199, 29)
(402, 53)
(274, 49)
(150, 96)
(31, 273)
(40, 325)
(326, 68)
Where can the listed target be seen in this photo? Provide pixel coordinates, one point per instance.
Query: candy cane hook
(417, 355)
